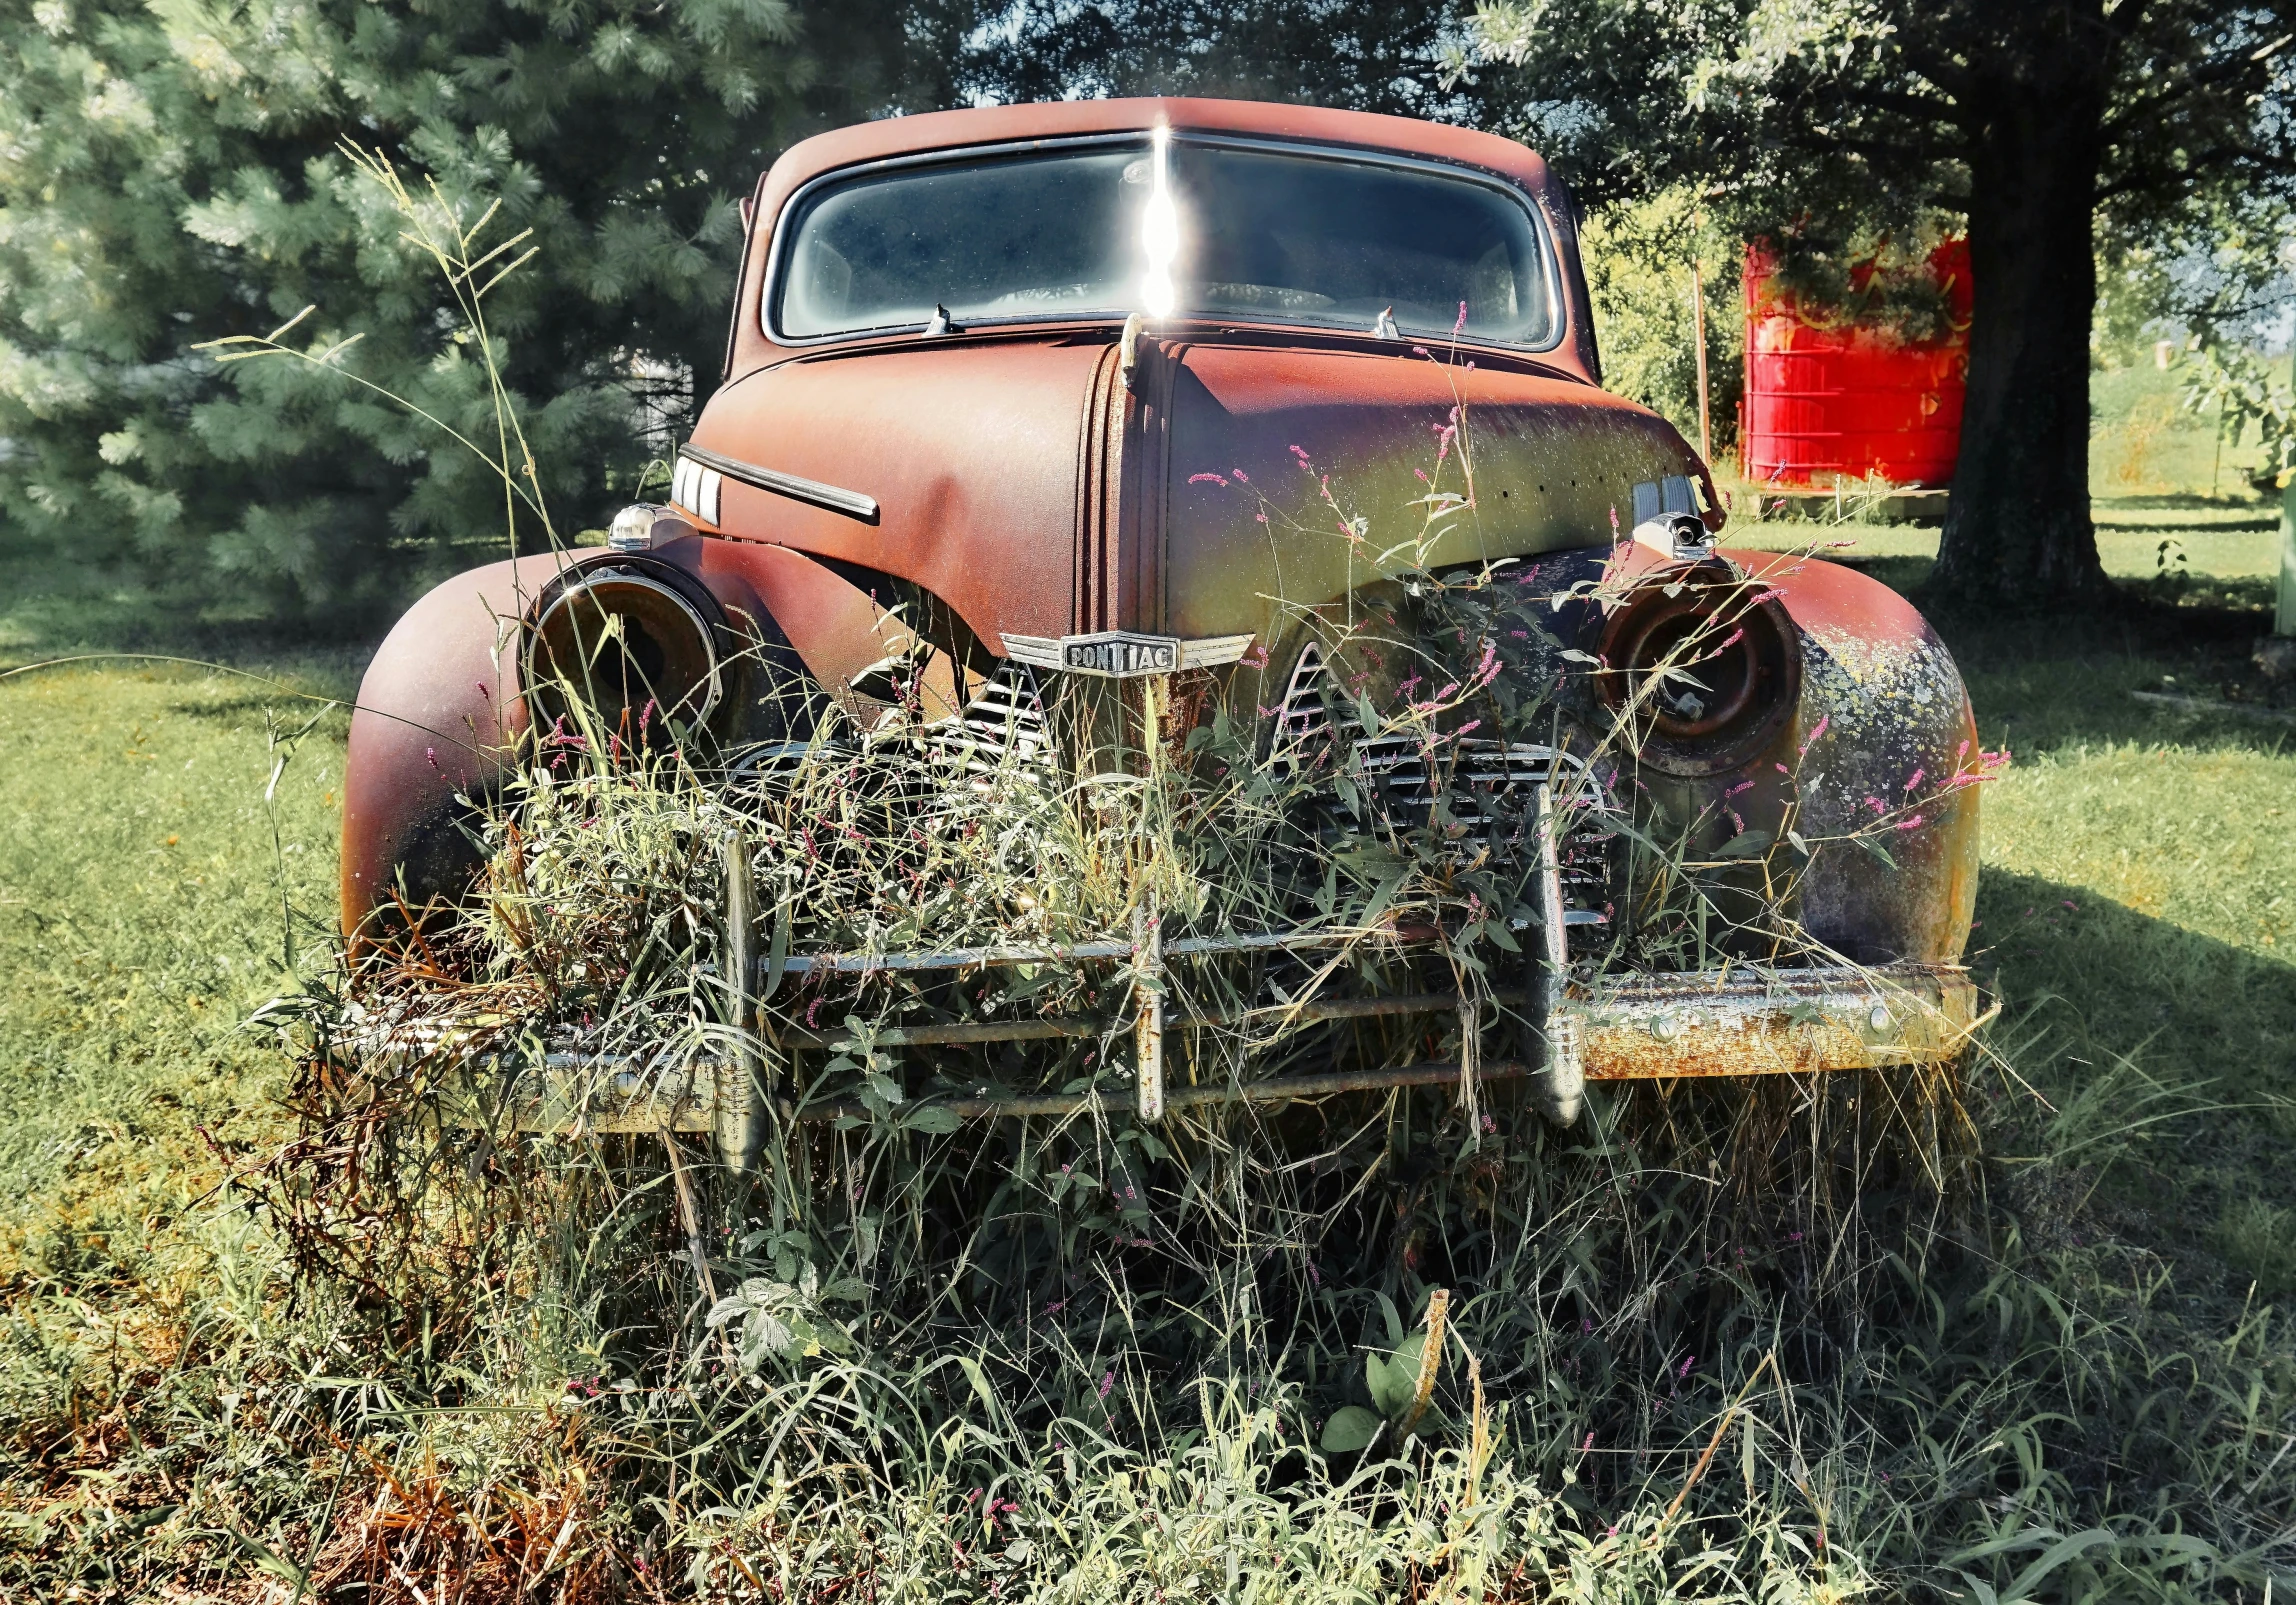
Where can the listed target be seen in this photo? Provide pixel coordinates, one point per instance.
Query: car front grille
(1477, 793)
(1003, 724)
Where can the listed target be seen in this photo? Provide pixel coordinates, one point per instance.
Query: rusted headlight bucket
(1705, 665)
(631, 645)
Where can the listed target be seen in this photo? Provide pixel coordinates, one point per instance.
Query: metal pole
(1148, 1027)
(1698, 344)
(740, 1118)
(1562, 1058)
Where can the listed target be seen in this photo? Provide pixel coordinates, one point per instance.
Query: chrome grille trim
(1303, 720)
(1394, 774)
(1003, 724)
(1396, 769)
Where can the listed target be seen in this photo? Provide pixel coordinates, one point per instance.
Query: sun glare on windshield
(1160, 230)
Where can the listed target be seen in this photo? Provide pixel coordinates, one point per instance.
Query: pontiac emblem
(1120, 655)
(1123, 654)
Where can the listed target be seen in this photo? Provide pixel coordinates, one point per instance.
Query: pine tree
(174, 172)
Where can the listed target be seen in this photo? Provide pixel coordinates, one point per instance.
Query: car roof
(946, 130)
(928, 132)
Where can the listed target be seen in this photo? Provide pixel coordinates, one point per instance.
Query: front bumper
(1742, 1020)
(1747, 1020)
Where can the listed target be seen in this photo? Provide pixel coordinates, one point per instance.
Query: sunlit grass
(140, 922)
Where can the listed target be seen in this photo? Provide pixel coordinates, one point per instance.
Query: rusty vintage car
(994, 380)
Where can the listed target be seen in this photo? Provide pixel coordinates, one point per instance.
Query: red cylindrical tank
(1829, 400)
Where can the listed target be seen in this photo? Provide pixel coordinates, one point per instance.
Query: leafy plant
(778, 1319)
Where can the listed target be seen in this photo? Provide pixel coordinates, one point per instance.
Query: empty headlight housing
(1704, 664)
(628, 648)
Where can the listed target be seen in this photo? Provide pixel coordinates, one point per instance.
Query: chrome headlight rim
(669, 596)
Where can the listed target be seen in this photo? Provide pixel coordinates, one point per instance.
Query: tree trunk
(2017, 529)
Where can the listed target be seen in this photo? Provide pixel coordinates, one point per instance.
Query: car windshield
(1264, 235)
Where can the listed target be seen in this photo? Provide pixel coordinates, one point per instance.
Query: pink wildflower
(1812, 739)
(1909, 824)
(1206, 479)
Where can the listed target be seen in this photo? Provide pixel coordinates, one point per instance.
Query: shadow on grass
(60, 603)
(2052, 681)
(2262, 513)
(2136, 1017)
(57, 609)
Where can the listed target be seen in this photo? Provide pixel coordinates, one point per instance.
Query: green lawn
(2138, 916)
(2139, 902)
(141, 921)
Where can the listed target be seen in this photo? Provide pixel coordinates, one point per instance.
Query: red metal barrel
(1829, 400)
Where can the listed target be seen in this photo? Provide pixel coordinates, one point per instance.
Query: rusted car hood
(1034, 490)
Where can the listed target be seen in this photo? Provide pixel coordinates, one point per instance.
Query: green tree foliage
(1638, 263)
(173, 172)
(2039, 122)
(1366, 55)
